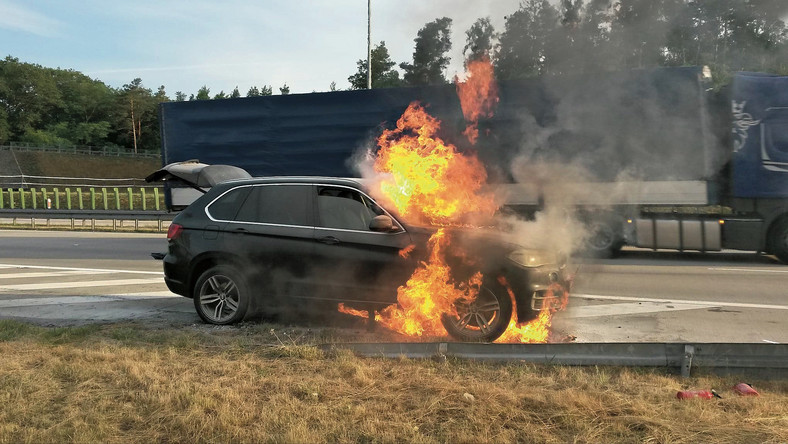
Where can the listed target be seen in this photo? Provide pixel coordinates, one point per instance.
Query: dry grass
(127, 383)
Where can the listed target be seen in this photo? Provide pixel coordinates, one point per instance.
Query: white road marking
(59, 285)
(683, 301)
(769, 342)
(147, 295)
(100, 270)
(633, 308)
(49, 274)
(68, 300)
(748, 270)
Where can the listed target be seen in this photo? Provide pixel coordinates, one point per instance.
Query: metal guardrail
(112, 151)
(87, 215)
(766, 360)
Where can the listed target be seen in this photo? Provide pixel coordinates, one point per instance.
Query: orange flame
(351, 311)
(536, 331)
(427, 179)
(428, 294)
(405, 252)
(478, 95)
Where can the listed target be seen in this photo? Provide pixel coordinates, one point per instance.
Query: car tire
(221, 296)
(483, 320)
(778, 240)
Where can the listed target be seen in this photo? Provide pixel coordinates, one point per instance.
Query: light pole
(369, 44)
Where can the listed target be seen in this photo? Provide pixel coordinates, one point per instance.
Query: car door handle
(329, 240)
(240, 230)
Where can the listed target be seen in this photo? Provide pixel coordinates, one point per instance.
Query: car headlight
(531, 258)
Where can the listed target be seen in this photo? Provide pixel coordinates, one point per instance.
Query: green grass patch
(11, 330)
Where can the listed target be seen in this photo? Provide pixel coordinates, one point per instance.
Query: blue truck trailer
(651, 158)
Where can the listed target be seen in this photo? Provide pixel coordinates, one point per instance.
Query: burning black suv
(260, 245)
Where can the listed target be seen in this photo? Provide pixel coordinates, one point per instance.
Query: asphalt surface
(66, 278)
(647, 296)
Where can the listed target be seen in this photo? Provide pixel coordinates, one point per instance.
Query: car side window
(277, 204)
(226, 207)
(345, 208)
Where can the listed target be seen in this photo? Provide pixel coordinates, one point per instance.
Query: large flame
(425, 178)
(428, 294)
(429, 181)
(478, 95)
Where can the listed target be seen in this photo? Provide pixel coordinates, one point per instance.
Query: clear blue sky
(222, 44)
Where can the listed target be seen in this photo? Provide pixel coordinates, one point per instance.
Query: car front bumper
(536, 289)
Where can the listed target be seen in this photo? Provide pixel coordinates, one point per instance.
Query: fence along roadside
(108, 151)
(71, 193)
(76, 198)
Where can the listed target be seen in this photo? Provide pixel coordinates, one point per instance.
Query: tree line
(582, 36)
(49, 106)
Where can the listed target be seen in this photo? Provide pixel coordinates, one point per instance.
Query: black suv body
(267, 244)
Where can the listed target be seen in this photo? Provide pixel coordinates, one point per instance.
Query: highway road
(647, 296)
(65, 278)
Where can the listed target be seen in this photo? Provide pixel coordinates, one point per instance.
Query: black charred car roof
(356, 183)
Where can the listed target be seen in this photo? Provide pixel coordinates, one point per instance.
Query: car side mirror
(382, 223)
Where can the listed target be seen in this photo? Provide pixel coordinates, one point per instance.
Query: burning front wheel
(482, 319)
(221, 296)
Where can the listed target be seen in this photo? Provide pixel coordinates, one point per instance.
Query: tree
(180, 96)
(28, 95)
(204, 93)
(333, 86)
(5, 128)
(433, 42)
(564, 48)
(525, 46)
(639, 31)
(480, 40)
(235, 94)
(141, 108)
(221, 95)
(85, 113)
(383, 76)
(729, 35)
(265, 90)
(284, 89)
(592, 46)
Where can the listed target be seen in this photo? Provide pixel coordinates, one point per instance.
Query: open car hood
(197, 175)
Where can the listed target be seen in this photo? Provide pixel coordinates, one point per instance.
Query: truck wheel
(483, 319)
(778, 239)
(604, 241)
(221, 296)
